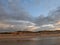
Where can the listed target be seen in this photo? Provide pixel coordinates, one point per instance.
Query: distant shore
(27, 34)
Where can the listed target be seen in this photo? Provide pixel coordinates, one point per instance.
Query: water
(32, 41)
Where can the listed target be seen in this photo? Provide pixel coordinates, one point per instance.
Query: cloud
(48, 25)
(12, 24)
(17, 25)
(3, 13)
(16, 11)
(50, 22)
(52, 17)
(37, 2)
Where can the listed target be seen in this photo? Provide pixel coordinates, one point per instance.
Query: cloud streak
(17, 25)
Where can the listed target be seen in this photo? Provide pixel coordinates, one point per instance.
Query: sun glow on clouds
(5, 26)
(33, 28)
(18, 25)
(21, 25)
(57, 25)
(58, 22)
(48, 25)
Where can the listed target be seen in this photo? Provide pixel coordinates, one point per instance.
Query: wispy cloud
(17, 25)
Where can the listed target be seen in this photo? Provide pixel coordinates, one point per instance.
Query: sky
(29, 14)
(36, 7)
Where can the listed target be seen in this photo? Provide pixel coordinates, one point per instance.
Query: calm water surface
(32, 41)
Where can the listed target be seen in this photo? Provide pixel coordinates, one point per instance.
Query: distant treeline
(5, 32)
(17, 32)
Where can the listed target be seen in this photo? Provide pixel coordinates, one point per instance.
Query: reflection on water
(32, 41)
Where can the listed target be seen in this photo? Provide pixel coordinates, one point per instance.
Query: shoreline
(28, 35)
